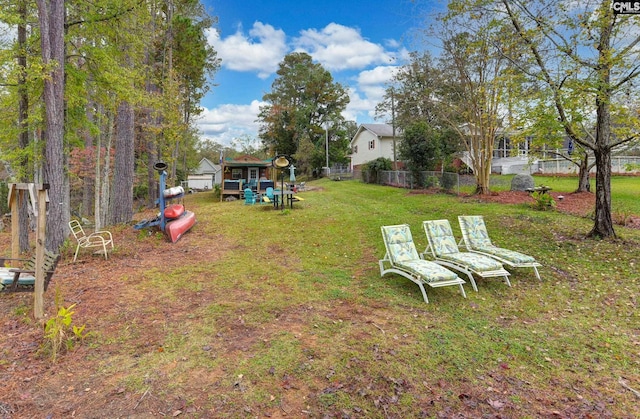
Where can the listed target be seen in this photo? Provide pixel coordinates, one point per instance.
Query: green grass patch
(290, 314)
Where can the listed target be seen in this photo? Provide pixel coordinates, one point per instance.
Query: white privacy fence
(619, 164)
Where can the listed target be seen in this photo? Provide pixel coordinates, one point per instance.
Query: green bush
(371, 169)
(431, 182)
(448, 181)
(544, 201)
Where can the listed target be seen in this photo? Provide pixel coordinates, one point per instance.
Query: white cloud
(339, 47)
(359, 107)
(377, 75)
(226, 122)
(261, 51)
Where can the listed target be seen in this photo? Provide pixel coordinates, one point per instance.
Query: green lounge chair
(402, 258)
(476, 239)
(443, 248)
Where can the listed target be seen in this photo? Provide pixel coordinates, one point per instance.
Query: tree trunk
(584, 184)
(482, 169)
(88, 181)
(603, 226)
(106, 174)
(97, 212)
(51, 17)
(122, 202)
(151, 172)
(23, 114)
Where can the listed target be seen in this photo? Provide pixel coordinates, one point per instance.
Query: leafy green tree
(412, 101)
(580, 54)
(480, 82)
(303, 99)
(537, 121)
(247, 144)
(98, 75)
(410, 97)
(421, 147)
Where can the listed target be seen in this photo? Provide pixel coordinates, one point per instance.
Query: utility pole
(393, 126)
(327, 146)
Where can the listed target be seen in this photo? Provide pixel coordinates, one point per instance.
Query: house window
(372, 144)
(236, 173)
(355, 150)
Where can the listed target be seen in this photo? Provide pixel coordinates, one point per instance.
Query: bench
(23, 279)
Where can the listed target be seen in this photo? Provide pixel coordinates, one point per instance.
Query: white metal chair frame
(101, 239)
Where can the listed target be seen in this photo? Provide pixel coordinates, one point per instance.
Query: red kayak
(177, 227)
(173, 211)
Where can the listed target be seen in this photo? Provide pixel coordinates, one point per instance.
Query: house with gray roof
(372, 141)
(206, 176)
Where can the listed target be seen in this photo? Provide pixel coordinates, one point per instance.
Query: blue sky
(360, 43)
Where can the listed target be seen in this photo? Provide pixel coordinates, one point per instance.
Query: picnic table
(540, 190)
(288, 197)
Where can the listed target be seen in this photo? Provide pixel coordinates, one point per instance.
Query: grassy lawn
(371, 347)
(293, 318)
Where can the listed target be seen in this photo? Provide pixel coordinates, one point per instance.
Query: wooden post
(38, 292)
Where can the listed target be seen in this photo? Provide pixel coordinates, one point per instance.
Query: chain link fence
(404, 179)
(451, 182)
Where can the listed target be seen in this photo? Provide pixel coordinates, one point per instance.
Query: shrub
(448, 181)
(544, 201)
(431, 182)
(60, 334)
(371, 169)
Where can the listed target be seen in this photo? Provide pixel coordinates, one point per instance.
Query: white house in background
(372, 141)
(206, 176)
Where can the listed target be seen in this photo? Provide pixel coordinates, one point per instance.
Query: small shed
(200, 182)
(206, 176)
(245, 172)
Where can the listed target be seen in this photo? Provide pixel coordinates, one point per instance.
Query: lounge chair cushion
(510, 255)
(6, 278)
(443, 241)
(403, 254)
(400, 244)
(477, 262)
(430, 272)
(476, 236)
(444, 246)
(476, 231)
